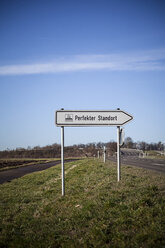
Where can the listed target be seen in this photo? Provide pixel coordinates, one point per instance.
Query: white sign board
(72, 118)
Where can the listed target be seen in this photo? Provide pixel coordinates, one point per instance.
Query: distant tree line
(142, 145)
(54, 151)
(80, 150)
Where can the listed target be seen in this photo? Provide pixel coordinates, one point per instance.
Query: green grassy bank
(96, 211)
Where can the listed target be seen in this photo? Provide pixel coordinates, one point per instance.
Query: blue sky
(93, 55)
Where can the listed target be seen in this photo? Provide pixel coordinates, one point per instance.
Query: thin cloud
(153, 60)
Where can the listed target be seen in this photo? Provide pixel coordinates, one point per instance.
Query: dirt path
(8, 175)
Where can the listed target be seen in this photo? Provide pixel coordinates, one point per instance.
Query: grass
(96, 211)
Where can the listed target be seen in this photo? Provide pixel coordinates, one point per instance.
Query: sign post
(118, 153)
(104, 154)
(62, 162)
(98, 154)
(80, 118)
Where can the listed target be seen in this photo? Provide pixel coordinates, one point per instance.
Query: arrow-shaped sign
(92, 118)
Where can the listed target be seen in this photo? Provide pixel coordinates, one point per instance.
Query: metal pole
(98, 154)
(118, 153)
(62, 162)
(104, 154)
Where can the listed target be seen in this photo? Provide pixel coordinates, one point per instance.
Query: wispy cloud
(153, 60)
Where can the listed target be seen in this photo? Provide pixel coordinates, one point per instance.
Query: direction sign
(92, 118)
